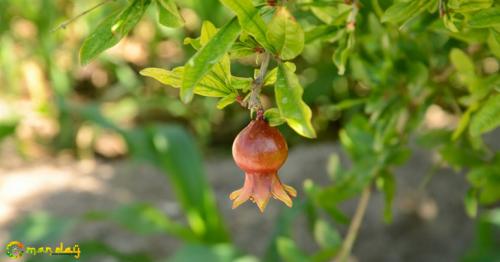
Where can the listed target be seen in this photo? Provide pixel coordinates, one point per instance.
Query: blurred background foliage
(406, 73)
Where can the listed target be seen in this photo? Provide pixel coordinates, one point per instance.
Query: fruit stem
(352, 232)
(254, 103)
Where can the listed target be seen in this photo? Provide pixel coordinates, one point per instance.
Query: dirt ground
(429, 224)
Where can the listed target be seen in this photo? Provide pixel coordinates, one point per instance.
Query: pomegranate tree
(260, 150)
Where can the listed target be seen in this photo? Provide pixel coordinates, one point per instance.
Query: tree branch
(254, 103)
(352, 232)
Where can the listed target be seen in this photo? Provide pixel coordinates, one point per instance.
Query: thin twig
(66, 23)
(352, 232)
(254, 103)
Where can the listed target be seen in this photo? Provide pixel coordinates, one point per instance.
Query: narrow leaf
(112, 29)
(342, 53)
(400, 11)
(168, 14)
(207, 57)
(285, 35)
(250, 20)
(288, 93)
(487, 118)
(470, 202)
(489, 17)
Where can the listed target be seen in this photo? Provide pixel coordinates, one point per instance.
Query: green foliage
(250, 20)
(285, 35)
(288, 93)
(487, 118)
(370, 73)
(112, 29)
(159, 145)
(168, 15)
(208, 56)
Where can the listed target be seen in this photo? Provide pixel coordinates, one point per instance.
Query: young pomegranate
(260, 150)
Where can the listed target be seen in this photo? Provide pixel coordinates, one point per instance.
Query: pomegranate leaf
(288, 93)
(250, 20)
(207, 57)
(168, 15)
(112, 29)
(285, 35)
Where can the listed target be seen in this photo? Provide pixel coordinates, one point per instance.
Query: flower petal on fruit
(290, 190)
(235, 194)
(279, 192)
(261, 189)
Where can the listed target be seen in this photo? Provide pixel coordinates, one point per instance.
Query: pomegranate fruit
(260, 150)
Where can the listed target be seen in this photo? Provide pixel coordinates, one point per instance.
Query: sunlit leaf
(112, 29)
(207, 57)
(250, 20)
(488, 17)
(288, 92)
(168, 14)
(487, 117)
(227, 100)
(210, 85)
(285, 35)
(464, 6)
(404, 10)
(273, 116)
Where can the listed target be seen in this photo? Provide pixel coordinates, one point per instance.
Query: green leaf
(144, 219)
(270, 77)
(168, 14)
(494, 42)
(166, 77)
(342, 52)
(212, 85)
(461, 61)
(216, 253)
(470, 202)
(227, 100)
(285, 35)
(487, 118)
(489, 17)
(464, 121)
(208, 56)
(465, 67)
(241, 83)
(402, 11)
(321, 32)
(112, 29)
(273, 116)
(250, 20)
(7, 128)
(288, 92)
(325, 235)
(464, 6)
(289, 252)
(387, 184)
(174, 151)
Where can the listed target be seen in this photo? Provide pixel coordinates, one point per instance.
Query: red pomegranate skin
(260, 150)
